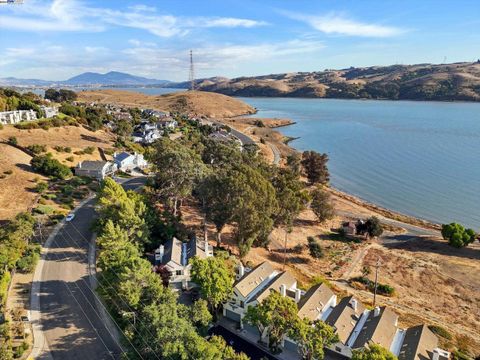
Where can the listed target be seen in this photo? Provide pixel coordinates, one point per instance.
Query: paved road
(70, 320)
(276, 153)
(245, 139)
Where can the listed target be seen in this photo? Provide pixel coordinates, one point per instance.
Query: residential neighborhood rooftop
(251, 280)
(313, 302)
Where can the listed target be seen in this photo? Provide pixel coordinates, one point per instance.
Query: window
(179, 272)
(242, 304)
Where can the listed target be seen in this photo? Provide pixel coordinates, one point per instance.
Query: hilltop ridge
(446, 82)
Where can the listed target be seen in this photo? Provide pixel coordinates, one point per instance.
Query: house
(155, 113)
(95, 169)
(128, 162)
(16, 116)
(169, 124)
(344, 316)
(378, 326)
(146, 137)
(175, 256)
(317, 303)
(420, 343)
(224, 137)
(349, 228)
(248, 284)
(355, 325)
(49, 111)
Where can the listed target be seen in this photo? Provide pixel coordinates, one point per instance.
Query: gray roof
(122, 156)
(379, 329)
(173, 251)
(92, 165)
(312, 303)
(284, 278)
(418, 343)
(251, 280)
(344, 317)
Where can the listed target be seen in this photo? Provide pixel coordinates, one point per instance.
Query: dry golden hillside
(195, 102)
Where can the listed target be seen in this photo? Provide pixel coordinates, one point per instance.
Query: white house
(169, 124)
(128, 162)
(355, 325)
(16, 116)
(96, 169)
(49, 111)
(146, 137)
(175, 256)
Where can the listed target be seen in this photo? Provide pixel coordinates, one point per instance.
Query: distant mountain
(11, 81)
(112, 78)
(458, 81)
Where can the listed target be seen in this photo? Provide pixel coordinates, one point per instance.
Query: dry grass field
(192, 102)
(16, 193)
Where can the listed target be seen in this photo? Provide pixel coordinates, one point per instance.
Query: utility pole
(377, 265)
(191, 76)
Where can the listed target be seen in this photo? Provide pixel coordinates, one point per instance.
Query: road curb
(40, 344)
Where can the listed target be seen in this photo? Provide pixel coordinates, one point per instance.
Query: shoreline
(351, 198)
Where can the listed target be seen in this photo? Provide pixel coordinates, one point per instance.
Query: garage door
(233, 315)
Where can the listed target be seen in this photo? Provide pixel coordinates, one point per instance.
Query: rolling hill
(458, 81)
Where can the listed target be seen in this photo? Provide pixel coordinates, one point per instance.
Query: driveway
(67, 313)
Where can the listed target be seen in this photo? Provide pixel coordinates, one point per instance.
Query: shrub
(29, 260)
(89, 150)
(259, 123)
(12, 140)
(314, 248)
(48, 166)
(67, 149)
(457, 235)
(8, 172)
(1, 126)
(43, 210)
(440, 331)
(70, 158)
(37, 148)
(41, 187)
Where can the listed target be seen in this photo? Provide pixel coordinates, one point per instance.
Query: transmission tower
(191, 77)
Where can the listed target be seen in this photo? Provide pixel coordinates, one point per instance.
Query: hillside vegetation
(459, 81)
(191, 102)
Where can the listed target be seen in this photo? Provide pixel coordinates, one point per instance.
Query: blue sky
(57, 39)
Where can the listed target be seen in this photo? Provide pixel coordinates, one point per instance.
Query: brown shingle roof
(312, 303)
(379, 329)
(343, 317)
(418, 343)
(254, 278)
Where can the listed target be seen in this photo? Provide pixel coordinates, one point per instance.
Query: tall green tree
(179, 169)
(215, 279)
(322, 205)
(373, 352)
(371, 228)
(273, 317)
(315, 166)
(312, 337)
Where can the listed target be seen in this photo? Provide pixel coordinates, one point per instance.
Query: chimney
(115, 154)
(241, 270)
(298, 295)
(283, 290)
(80, 165)
(159, 253)
(207, 252)
(354, 303)
(376, 311)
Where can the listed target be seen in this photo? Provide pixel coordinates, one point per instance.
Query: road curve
(66, 317)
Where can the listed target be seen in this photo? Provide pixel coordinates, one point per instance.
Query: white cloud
(334, 23)
(232, 22)
(74, 15)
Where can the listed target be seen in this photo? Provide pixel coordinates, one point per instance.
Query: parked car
(70, 217)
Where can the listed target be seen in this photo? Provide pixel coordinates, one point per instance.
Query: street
(70, 321)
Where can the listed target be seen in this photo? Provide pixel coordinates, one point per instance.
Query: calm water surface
(418, 158)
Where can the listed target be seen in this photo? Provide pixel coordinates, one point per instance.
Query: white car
(69, 217)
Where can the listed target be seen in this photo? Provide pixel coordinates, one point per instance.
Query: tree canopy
(321, 205)
(60, 95)
(457, 235)
(215, 279)
(312, 337)
(372, 227)
(315, 166)
(373, 352)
